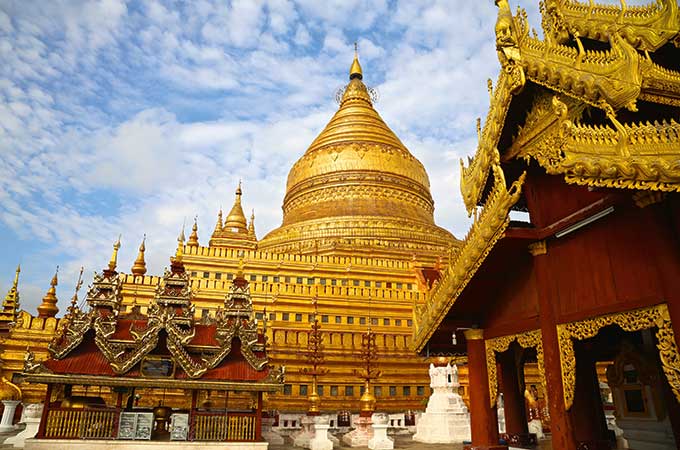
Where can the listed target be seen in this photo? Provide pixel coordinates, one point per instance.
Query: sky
(133, 118)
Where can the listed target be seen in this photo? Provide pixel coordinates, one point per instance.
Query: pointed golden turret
(48, 307)
(10, 305)
(193, 237)
(355, 68)
(139, 267)
(251, 225)
(114, 256)
(218, 225)
(236, 220)
(180, 246)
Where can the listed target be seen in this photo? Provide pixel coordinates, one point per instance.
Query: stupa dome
(358, 188)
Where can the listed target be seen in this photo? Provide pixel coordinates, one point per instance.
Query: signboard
(144, 426)
(179, 427)
(134, 425)
(127, 425)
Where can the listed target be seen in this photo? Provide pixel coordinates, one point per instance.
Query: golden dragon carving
(640, 156)
(486, 230)
(646, 27)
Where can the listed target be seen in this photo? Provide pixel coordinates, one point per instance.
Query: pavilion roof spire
(139, 266)
(180, 246)
(114, 256)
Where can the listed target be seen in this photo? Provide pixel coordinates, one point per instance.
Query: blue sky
(129, 118)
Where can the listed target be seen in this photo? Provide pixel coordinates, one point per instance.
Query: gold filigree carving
(538, 248)
(473, 177)
(486, 230)
(635, 320)
(646, 27)
(640, 156)
(528, 339)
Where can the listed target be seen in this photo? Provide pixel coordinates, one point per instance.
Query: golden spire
(11, 302)
(236, 220)
(114, 255)
(180, 246)
(48, 307)
(139, 267)
(219, 225)
(79, 284)
(251, 225)
(355, 68)
(193, 237)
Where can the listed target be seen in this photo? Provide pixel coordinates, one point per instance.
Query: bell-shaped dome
(357, 187)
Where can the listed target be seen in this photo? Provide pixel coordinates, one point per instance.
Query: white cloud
(131, 119)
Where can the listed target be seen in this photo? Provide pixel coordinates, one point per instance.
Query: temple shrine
(582, 137)
(108, 356)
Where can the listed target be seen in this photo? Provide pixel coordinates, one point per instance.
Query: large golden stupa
(357, 188)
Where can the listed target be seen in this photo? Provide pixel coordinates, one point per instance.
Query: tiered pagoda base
(79, 444)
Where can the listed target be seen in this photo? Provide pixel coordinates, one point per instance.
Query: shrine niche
(637, 387)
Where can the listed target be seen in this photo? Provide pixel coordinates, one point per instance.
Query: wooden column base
(520, 439)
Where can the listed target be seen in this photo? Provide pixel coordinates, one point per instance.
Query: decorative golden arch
(634, 320)
(528, 339)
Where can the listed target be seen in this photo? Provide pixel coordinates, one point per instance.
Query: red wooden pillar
(192, 413)
(46, 408)
(516, 426)
(258, 418)
(483, 419)
(587, 413)
(560, 421)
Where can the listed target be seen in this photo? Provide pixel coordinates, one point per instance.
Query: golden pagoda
(358, 224)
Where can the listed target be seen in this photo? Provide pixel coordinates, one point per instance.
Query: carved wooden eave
(641, 156)
(609, 80)
(473, 177)
(646, 27)
(611, 76)
(486, 230)
(659, 85)
(617, 77)
(171, 311)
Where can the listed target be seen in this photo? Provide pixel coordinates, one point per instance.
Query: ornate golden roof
(357, 185)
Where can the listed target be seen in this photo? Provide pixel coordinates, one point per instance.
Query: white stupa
(446, 419)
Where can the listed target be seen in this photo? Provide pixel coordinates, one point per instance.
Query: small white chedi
(446, 419)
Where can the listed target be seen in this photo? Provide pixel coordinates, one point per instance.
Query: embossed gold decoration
(608, 80)
(355, 186)
(473, 177)
(640, 156)
(645, 27)
(528, 339)
(538, 248)
(634, 320)
(487, 228)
